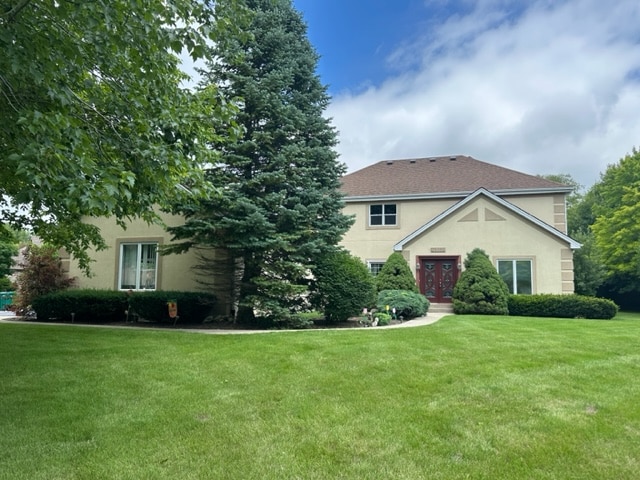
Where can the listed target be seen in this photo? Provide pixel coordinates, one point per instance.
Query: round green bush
(407, 304)
(395, 274)
(480, 289)
(343, 286)
(383, 319)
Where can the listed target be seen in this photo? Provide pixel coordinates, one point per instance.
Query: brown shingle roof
(436, 175)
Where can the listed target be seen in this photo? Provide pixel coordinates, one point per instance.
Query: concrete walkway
(8, 317)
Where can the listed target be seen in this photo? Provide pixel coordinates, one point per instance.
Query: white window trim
(371, 262)
(139, 243)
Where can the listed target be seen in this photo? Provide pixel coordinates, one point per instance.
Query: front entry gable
(473, 211)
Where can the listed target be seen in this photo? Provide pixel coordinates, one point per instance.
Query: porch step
(441, 308)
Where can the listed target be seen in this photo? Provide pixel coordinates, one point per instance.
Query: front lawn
(468, 397)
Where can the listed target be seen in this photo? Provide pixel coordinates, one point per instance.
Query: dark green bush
(480, 289)
(105, 306)
(396, 275)
(193, 307)
(407, 304)
(343, 286)
(89, 306)
(561, 306)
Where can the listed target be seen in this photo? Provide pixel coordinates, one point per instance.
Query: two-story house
(433, 210)
(436, 210)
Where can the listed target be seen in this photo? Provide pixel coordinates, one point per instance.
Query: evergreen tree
(395, 274)
(279, 210)
(480, 288)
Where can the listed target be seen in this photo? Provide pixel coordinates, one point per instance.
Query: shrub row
(104, 306)
(89, 306)
(561, 306)
(193, 307)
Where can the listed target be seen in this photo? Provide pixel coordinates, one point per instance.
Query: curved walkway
(416, 322)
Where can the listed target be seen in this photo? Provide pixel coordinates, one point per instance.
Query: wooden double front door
(437, 277)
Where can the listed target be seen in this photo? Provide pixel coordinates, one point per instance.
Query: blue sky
(541, 86)
(355, 38)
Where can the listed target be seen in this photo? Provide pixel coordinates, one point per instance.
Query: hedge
(561, 306)
(193, 307)
(89, 306)
(106, 306)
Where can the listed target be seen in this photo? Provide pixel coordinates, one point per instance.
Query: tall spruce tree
(280, 209)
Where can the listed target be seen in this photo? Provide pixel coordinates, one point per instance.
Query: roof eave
(440, 195)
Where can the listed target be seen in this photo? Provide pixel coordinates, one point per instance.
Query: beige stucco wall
(174, 272)
(376, 243)
(551, 209)
(481, 223)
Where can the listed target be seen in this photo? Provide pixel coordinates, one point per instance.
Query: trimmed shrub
(407, 304)
(105, 306)
(562, 306)
(395, 274)
(480, 289)
(193, 307)
(343, 286)
(89, 306)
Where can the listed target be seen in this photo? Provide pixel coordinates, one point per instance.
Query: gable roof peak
(573, 244)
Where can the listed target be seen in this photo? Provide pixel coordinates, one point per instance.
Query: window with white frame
(382, 214)
(517, 274)
(138, 268)
(375, 267)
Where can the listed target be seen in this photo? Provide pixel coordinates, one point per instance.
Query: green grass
(467, 397)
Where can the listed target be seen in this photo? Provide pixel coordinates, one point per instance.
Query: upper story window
(517, 274)
(383, 214)
(138, 268)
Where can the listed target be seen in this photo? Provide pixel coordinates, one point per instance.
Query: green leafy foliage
(407, 304)
(6, 285)
(561, 306)
(193, 307)
(615, 288)
(615, 208)
(281, 209)
(105, 306)
(87, 306)
(42, 273)
(480, 289)
(383, 319)
(343, 286)
(396, 275)
(95, 120)
(7, 251)
(589, 272)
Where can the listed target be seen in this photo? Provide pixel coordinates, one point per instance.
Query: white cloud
(553, 88)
